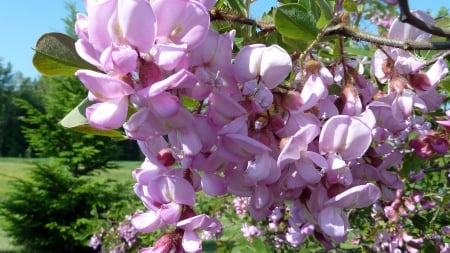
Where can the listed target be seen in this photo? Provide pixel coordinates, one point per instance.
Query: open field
(14, 168)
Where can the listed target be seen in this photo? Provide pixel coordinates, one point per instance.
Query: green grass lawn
(13, 168)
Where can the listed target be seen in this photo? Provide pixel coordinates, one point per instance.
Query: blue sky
(22, 22)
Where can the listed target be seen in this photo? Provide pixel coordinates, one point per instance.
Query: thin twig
(443, 55)
(437, 169)
(217, 14)
(358, 35)
(407, 17)
(342, 30)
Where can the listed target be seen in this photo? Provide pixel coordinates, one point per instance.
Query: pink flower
(348, 136)
(333, 221)
(259, 68)
(99, 29)
(445, 123)
(191, 226)
(180, 22)
(112, 96)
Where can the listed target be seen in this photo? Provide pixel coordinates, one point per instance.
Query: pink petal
(169, 56)
(223, 109)
(403, 31)
(186, 140)
(437, 71)
(146, 222)
(182, 22)
(358, 140)
(200, 222)
(103, 86)
(333, 134)
(100, 13)
(86, 51)
(307, 171)
(239, 147)
(108, 115)
(191, 242)
(119, 59)
(170, 213)
(165, 189)
(356, 197)
(180, 79)
(261, 197)
(402, 107)
(138, 23)
(260, 168)
(312, 92)
(333, 222)
(247, 62)
(164, 105)
(213, 185)
(297, 144)
(276, 64)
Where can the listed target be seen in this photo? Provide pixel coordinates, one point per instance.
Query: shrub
(52, 211)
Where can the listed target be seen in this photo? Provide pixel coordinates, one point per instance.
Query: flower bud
(165, 157)
(312, 66)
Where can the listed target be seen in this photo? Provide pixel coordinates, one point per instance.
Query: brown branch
(444, 54)
(216, 14)
(339, 29)
(407, 17)
(358, 35)
(447, 167)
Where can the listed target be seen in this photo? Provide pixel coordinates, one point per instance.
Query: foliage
(80, 153)
(51, 211)
(7, 111)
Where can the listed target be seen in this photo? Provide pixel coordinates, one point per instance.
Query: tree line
(29, 109)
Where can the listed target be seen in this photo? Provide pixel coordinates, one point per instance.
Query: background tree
(80, 152)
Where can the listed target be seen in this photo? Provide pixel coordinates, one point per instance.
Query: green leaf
(359, 51)
(411, 163)
(312, 7)
(295, 22)
(445, 83)
(55, 54)
(419, 222)
(295, 44)
(236, 5)
(326, 13)
(260, 246)
(350, 5)
(76, 120)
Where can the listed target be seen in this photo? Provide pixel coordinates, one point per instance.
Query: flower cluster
(118, 238)
(211, 120)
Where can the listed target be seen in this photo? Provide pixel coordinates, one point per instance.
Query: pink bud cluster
(213, 121)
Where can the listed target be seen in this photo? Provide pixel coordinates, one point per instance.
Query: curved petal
(108, 115)
(404, 31)
(170, 213)
(146, 222)
(297, 144)
(213, 185)
(103, 86)
(247, 63)
(333, 134)
(333, 222)
(191, 242)
(275, 66)
(358, 140)
(99, 14)
(138, 23)
(356, 197)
